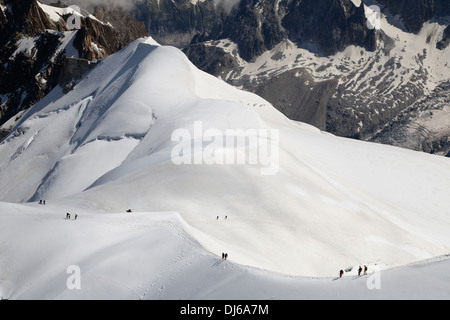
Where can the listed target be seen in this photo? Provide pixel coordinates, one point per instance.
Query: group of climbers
(360, 269)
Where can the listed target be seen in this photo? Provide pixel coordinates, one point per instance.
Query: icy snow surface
(106, 146)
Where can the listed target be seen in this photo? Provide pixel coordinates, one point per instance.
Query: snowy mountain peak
(108, 144)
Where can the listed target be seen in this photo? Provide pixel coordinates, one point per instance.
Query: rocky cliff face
(26, 55)
(176, 22)
(330, 26)
(256, 26)
(127, 28)
(445, 41)
(114, 29)
(423, 126)
(211, 59)
(27, 17)
(34, 46)
(415, 13)
(320, 63)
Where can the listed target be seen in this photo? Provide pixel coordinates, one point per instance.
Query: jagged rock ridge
(34, 45)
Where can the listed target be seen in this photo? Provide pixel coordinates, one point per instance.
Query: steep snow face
(121, 104)
(327, 202)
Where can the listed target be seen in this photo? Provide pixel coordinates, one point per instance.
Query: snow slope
(153, 256)
(329, 203)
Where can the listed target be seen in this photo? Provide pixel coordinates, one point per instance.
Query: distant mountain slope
(344, 77)
(424, 126)
(413, 14)
(322, 64)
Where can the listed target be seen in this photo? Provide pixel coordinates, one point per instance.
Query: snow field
(106, 146)
(152, 256)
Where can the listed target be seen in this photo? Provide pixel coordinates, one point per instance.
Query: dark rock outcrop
(211, 59)
(331, 26)
(423, 126)
(445, 41)
(27, 18)
(3, 20)
(255, 26)
(27, 74)
(176, 22)
(298, 96)
(96, 40)
(32, 61)
(72, 69)
(415, 13)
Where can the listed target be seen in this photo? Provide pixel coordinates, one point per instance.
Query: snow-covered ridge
(57, 13)
(335, 203)
(153, 256)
